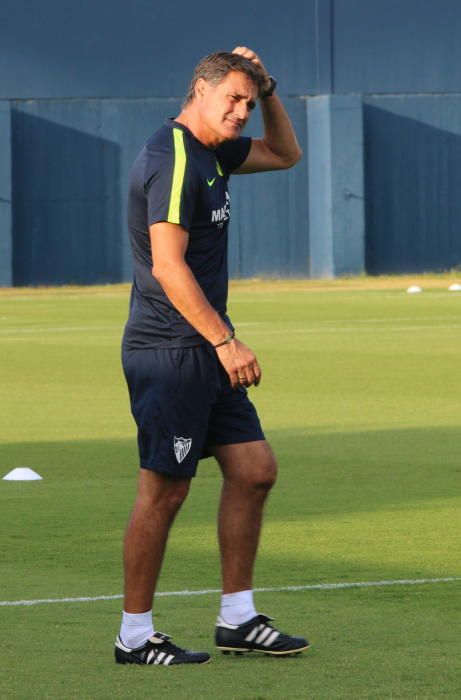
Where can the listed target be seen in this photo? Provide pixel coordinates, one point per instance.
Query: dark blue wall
(82, 85)
(70, 177)
(66, 209)
(397, 46)
(413, 183)
(6, 228)
(269, 213)
(145, 48)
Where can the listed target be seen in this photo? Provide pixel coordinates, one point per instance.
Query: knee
(268, 476)
(166, 498)
(263, 475)
(176, 495)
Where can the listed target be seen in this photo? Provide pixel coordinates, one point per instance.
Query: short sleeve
(231, 154)
(169, 184)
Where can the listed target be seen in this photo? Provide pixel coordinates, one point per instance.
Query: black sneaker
(160, 651)
(256, 635)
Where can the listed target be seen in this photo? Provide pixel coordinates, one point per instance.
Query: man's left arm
(278, 148)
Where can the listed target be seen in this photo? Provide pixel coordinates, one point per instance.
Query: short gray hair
(214, 68)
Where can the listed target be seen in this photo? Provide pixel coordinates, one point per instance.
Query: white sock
(136, 628)
(237, 608)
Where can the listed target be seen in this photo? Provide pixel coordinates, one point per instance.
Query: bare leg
(249, 471)
(159, 499)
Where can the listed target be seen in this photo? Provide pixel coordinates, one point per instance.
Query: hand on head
(253, 57)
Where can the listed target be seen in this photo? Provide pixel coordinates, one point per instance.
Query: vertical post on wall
(336, 185)
(6, 220)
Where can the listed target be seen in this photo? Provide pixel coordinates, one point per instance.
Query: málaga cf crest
(181, 447)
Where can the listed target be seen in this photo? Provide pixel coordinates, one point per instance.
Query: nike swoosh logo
(210, 183)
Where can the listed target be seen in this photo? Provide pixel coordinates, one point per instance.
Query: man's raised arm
(279, 147)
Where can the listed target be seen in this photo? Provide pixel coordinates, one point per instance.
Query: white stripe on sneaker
(271, 639)
(160, 657)
(168, 660)
(264, 634)
(151, 655)
(253, 633)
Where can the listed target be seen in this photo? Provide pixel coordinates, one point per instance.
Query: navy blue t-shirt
(177, 179)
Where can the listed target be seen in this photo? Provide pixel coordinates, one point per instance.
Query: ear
(201, 88)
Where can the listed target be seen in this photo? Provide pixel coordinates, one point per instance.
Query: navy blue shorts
(183, 404)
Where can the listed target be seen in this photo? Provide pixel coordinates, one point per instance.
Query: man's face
(225, 108)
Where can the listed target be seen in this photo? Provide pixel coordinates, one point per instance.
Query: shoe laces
(170, 648)
(166, 645)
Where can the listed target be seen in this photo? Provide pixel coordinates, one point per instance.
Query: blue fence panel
(6, 237)
(70, 177)
(269, 213)
(65, 197)
(396, 46)
(112, 48)
(413, 183)
(89, 82)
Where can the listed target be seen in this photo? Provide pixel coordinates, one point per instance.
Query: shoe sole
(239, 650)
(122, 662)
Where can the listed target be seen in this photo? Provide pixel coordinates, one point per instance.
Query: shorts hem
(147, 464)
(235, 441)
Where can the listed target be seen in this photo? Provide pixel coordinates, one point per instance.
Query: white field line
(240, 324)
(119, 326)
(381, 320)
(254, 329)
(353, 329)
(207, 591)
(60, 329)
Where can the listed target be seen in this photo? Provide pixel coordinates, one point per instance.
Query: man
(187, 372)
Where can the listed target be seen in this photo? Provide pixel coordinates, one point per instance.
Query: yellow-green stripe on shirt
(178, 177)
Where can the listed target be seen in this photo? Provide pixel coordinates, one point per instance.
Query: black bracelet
(226, 341)
(271, 89)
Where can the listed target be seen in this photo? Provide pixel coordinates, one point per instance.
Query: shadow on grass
(324, 473)
(64, 534)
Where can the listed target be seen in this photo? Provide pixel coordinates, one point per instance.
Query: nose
(241, 110)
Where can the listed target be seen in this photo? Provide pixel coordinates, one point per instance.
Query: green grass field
(360, 399)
